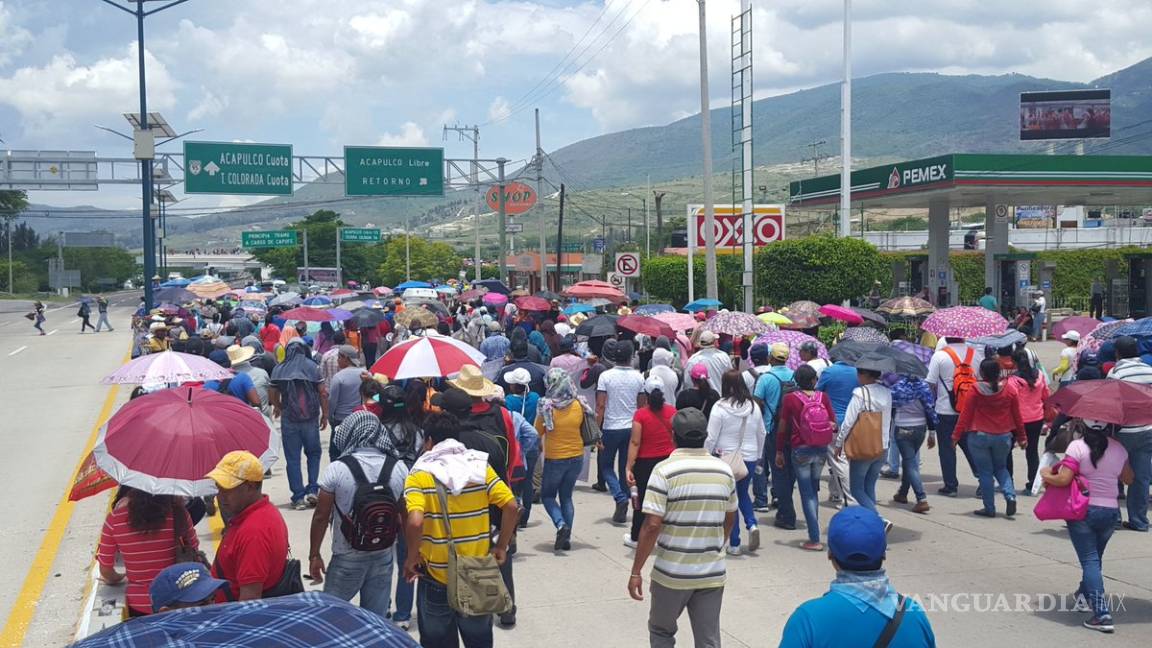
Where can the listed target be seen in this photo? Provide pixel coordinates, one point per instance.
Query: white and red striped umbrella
(166, 367)
(424, 357)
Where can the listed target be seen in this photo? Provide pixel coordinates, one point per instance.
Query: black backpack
(374, 521)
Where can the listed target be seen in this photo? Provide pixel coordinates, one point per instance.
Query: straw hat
(238, 354)
(472, 382)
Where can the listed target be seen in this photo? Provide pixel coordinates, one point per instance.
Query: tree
(359, 261)
(666, 278)
(823, 269)
(429, 260)
(111, 264)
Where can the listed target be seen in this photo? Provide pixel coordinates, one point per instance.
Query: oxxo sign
(518, 198)
(767, 225)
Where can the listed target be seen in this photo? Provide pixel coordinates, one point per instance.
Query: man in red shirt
(254, 549)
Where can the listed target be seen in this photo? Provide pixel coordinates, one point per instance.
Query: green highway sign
(273, 239)
(234, 168)
(392, 171)
(359, 235)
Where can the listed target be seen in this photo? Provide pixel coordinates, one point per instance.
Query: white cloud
(499, 109)
(13, 38)
(211, 105)
(411, 134)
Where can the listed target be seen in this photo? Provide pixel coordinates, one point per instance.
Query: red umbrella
(1080, 324)
(646, 326)
(538, 304)
(1111, 401)
(846, 315)
(309, 314)
(164, 443)
(425, 357)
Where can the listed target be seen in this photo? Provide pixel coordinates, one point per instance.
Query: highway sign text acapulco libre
(392, 171)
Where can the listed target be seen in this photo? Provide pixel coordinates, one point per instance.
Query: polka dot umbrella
(793, 339)
(965, 322)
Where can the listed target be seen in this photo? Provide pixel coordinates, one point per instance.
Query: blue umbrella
(579, 308)
(702, 305)
(175, 283)
(446, 289)
(1005, 339)
(307, 620)
(318, 300)
(1139, 328)
(655, 309)
(412, 284)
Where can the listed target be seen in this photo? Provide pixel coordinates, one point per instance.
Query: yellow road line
(24, 609)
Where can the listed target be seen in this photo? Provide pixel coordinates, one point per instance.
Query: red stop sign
(518, 198)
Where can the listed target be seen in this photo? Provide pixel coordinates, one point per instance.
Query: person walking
(300, 400)
(689, 510)
(991, 416)
(449, 493)
(952, 357)
(736, 428)
(698, 393)
(1032, 389)
(871, 397)
(838, 381)
(806, 428)
(988, 301)
(717, 362)
(520, 400)
(1097, 308)
(1039, 309)
(102, 310)
(360, 495)
(650, 444)
(861, 609)
(1137, 440)
(84, 313)
(38, 316)
(771, 387)
(560, 415)
(619, 393)
(1065, 372)
(1102, 462)
(914, 419)
(343, 391)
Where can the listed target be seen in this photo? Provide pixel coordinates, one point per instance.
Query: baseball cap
(1071, 335)
(235, 468)
(780, 350)
(708, 338)
(652, 383)
(518, 376)
(188, 582)
(453, 400)
(351, 353)
(698, 372)
(690, 424)
(856, 538)
(758, 353)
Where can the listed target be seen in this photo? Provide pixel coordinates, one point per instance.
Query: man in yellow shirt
(471, 488)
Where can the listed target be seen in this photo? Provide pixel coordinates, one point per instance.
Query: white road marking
(75, 321)
(17, 351)
(53, 331)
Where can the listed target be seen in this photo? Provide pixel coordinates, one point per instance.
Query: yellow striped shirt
(467, 513)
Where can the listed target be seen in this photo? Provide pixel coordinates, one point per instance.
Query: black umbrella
(871, 317)
(599, 326)
(549, 295)
(174, 295)
(902, 362)
(493, 285)
(437, 308)
(365, 317)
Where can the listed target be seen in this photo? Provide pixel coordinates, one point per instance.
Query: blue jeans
(526, 490)
(1038, 324)
(297, 436)
(1139, 447)
(908, 442)
(808, 464)
(745, 501)
(443, 627)
(368, 573)
(783, 483)
(405, 591)
(559, 479)
(892, 458)
(862, 476)
(990, 452)
(1089, 538)
(947, 452)
(615, 447)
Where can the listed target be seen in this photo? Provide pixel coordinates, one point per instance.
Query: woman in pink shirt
(1101, 461)
(1032, 393)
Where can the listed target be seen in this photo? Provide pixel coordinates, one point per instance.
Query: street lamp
(145, 145)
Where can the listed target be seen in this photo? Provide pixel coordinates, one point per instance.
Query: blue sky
(320, 74)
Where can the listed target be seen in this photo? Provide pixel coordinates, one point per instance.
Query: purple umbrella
(166, 367)
(736, 324)
(1092, 341)
(965, 322)
(793, 339)
(1079, 323)
(495, 299)
(920, 351)
(863, 334)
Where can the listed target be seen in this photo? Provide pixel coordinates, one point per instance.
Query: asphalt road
(958, 563)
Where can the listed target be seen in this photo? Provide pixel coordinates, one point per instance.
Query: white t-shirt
(621, 385)
(941, 370)
(819, 364)
(338, 480)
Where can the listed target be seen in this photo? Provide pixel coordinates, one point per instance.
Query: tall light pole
(846, 128)
(145, 147)
(711, 287)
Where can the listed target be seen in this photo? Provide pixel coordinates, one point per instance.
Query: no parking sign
(627, 264)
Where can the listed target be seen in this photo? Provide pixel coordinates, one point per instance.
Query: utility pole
(8, 231)
(816, 156)
(307, 270)
(473, 133)
(628, 236)
(647, 220)
(711, 286)
(659, 198)
(846, 128)
(540, 208)
(560, 242)
(502, 217)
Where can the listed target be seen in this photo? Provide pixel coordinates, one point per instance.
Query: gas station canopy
(976, 180)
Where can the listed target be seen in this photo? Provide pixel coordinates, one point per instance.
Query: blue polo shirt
(838, 381)
(238, 386)
(769, 390)
(837, 621)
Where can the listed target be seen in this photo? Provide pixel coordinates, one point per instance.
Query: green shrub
(823, 269)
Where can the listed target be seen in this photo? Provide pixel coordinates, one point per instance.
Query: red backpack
(814, 427)
(963, 381)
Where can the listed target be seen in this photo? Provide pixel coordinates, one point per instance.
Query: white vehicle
(420, 295)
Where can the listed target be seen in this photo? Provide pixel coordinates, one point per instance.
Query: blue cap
(759, 353)
(856, 538)
(183, 583)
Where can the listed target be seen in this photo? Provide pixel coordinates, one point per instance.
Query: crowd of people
(429, 478)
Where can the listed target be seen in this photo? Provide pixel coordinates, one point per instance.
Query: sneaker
(888, 474)
(887, 527)
(984, 513)
(754, 538)
(1130, 527)
(946, 492)
(600, 486)
(311, 500)
(734, 551)
(299, 505)
(812, 546)
(787, 526)
(621, 514)
(562, 539)
(921, 507)
(761, 508)
(1010, 508)
(628, 541)
(900, 499)
(1100, 624)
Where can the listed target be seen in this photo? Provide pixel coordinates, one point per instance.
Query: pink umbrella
(1092, 341)
(165, 442)
(381, 291)
(588, 289)
(537, 304)
(310, 314)
(166, 367)
(965, 322)
(736, 324)
(1080, 324)
(793, 339)
(846, 315)
(495, 299)
(678, 321)
(424, 357)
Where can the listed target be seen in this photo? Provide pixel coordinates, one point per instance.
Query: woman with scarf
(914, 419)
(287, 335)
(560, 414)
(323, 338)
(536, 339)
(664, 343)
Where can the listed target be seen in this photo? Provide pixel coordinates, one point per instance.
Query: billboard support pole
(502, 215)
(846, 128)
(691, 251)
(307, 270)
(339, 268)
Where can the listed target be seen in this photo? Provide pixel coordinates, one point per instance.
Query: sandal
(812, 546)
